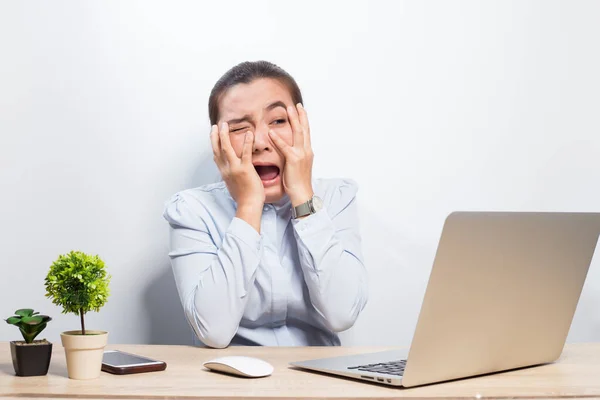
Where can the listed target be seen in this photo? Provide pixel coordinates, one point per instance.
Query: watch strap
(303, 209)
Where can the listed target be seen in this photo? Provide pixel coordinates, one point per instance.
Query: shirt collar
(282, 203)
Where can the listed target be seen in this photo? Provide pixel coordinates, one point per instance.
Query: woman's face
(257, 107)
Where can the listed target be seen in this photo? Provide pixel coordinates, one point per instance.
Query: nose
(262, 141)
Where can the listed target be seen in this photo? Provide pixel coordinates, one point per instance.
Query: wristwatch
(307, 208)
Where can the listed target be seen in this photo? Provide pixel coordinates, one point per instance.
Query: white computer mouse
(248, 367)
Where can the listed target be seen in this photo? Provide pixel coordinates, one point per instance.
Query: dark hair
(247, 72)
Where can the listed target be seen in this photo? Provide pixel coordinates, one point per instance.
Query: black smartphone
(119, 362)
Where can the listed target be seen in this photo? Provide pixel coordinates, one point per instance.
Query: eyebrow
(275, 105)
(248, 117)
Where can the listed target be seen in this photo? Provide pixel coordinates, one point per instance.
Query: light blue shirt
(297, 283)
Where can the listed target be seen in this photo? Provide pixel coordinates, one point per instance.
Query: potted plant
(78, 282)
(30, 357)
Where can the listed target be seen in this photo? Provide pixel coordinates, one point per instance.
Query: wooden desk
(575, 375)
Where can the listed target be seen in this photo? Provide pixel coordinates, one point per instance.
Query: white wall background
(430, 106)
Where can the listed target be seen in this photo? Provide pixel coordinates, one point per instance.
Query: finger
(247, 150)
(296, 127)
(281, 145)
(226, 147)
(216, 146)
(214, 140)
(304, 122)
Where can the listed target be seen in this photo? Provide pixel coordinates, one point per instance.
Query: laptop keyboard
(390, 368)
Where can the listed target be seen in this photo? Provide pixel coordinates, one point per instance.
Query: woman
(268, 256)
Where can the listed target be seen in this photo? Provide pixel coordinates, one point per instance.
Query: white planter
(84, 353)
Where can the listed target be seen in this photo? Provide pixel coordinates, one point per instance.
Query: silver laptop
(501, 295)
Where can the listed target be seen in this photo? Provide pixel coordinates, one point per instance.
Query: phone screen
(120, 359)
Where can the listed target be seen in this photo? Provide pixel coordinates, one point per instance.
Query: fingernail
(300, 105)
(223, 125)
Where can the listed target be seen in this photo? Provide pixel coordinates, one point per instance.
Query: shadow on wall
(167, 321)
(205, 172)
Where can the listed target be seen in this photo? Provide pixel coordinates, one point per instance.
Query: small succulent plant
(30, 323)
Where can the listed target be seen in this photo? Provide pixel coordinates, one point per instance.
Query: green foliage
(78, 282)
(30, 323)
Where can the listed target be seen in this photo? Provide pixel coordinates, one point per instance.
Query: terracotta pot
(31, 359)
(84, 353)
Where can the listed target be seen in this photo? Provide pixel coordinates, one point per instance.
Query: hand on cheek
(297, 173)
(239, 174)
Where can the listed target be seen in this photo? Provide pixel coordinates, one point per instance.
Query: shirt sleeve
(329, 248)
(212, 281)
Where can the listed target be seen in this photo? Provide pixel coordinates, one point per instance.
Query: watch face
(317, 203)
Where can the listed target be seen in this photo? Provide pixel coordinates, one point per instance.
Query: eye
(238, 129)
(279, 121)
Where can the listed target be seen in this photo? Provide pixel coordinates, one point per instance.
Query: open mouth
(267, 173)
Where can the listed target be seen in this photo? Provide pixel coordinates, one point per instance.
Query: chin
(274, 194)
